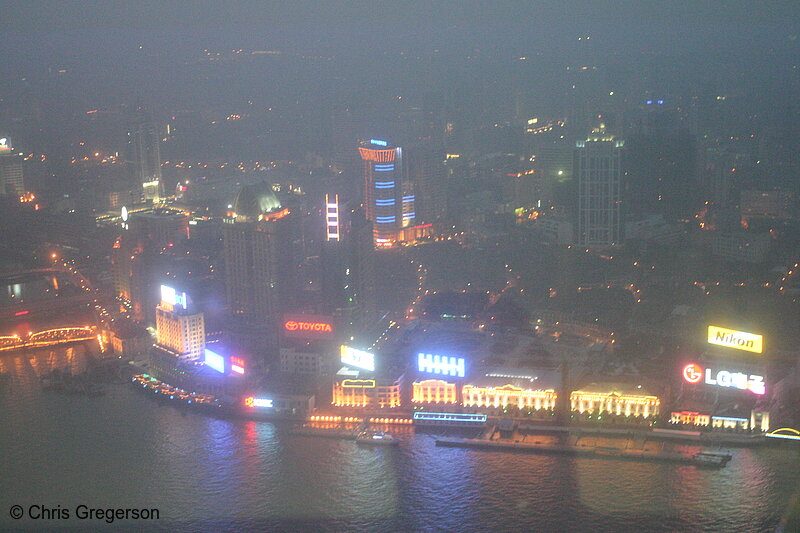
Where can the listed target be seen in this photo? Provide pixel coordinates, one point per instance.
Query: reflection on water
(124, 449)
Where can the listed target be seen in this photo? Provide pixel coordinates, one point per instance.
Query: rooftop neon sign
(738, 340)
(693, 373)
(378, 142)
(441, 364)
(358, 358)
(171, 297)
(251, 401)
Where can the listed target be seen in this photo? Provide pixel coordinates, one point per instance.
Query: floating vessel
(376, 437)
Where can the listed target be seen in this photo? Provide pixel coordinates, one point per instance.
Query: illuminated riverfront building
(599, 172)
(353, 388)
(502, 388)
(613, 398)
(509, 395)
(434, 391)
(11, 178)
(179, 329)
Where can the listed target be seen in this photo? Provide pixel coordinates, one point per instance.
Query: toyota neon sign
(308, 326)
(293, 325)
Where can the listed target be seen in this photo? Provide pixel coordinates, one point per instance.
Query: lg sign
(723, 378)
(692, 373)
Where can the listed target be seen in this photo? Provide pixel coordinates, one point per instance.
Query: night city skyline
(401, 266)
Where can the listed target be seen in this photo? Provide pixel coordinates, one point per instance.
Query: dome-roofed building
(260, 262)
(254, 201)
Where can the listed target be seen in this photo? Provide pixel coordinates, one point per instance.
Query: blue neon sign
(378, 142)
(215, 361)
(441, 364)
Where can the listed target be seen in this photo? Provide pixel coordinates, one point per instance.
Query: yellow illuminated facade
(181, 333)
(433, 391)
(509, 395)
(366, 393)
(599, 398)
(692, 418)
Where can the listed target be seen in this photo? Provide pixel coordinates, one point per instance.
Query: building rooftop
(254, 200)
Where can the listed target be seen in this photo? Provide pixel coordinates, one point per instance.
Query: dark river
(125, 450)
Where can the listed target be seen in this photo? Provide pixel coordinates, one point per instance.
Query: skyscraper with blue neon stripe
(388, 195)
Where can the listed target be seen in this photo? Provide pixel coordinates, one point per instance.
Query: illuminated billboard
(250, 401)
(441, 364)
(332, 218)
(738, 340)
(358, 358)
(693, 373)
(215, 361)
(171, 298)
(308, 326)
(237, 365)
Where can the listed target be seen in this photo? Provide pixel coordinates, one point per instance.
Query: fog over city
(401, 266)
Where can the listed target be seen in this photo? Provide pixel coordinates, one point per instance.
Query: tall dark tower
(348, 271)
(599, 173)
(257, 235)
(145, 155)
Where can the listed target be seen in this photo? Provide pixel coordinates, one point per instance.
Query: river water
(125, 450)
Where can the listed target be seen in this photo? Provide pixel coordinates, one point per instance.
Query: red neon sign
(20, 313)
(294, 325)
(692, 373)
(237, 365)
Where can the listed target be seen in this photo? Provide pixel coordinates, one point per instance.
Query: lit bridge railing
(48, 337)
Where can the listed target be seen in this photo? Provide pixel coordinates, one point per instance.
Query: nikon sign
(735, 339)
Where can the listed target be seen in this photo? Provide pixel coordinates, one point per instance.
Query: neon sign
(170, 297)
(441, 364)
(250, 401)
(332, 217)
(378, 142)
(724, 378)
(358, 383)
(294, 325)
(215, 361)
(237, 365)
(738, 340)
(358, 358)
(692, 373)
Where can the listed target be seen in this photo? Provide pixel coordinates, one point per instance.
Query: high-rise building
(137, 255)
(347, 265)
(145, 155)
(423, 166)
(257, 238)
(388, 197)
(599, 171)
(11, 180)
(179, 329)
(403, 187)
